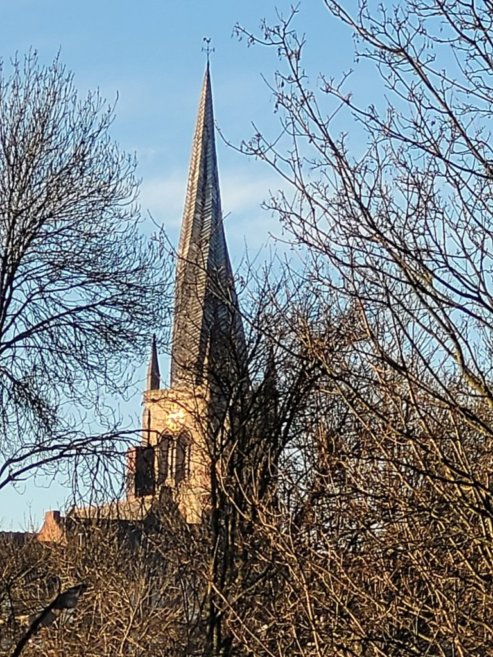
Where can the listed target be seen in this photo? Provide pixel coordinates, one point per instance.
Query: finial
(153, 377)
(207, 48)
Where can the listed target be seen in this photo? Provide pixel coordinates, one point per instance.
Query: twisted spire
(207, 326)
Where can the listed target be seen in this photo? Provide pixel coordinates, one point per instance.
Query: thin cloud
(242, 197)
(163, 198)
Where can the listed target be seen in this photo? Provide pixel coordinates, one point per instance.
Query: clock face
(176, 419)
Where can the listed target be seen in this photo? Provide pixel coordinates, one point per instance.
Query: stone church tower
(182, 424)
(208, 355)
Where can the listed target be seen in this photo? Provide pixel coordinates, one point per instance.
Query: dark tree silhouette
(79, 287)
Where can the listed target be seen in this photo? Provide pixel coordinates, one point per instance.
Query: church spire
(153, 376)
(206, 320)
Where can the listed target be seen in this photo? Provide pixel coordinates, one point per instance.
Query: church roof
(207, 325)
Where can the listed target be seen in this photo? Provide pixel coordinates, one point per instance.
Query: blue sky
(148, 53)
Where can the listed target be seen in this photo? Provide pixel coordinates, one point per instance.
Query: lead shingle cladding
(207, 329)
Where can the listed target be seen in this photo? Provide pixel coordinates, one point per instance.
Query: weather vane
(207, 48)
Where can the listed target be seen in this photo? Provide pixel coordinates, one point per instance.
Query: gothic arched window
(182, 463)
(173, 459)
(164, 458)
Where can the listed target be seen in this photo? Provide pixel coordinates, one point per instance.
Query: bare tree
(132, 603)
(391, 553)
(80, 289)
(251, 438)
(350, 481)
